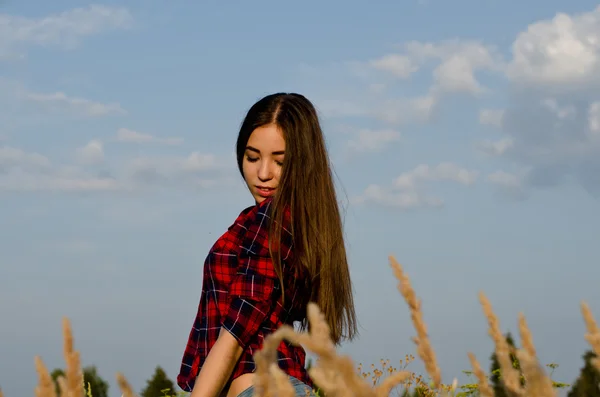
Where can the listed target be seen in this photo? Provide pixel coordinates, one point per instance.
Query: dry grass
(593, 333)
(424, 349)
(484, 388)
(336, 375)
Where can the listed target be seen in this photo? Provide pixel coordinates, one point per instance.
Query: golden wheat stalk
(74, 374)
(336, 375)
(538, 383)
(333, 373)
(509, 373)
(45, 387)
(526, 336)
(484, 387)
(593, 333)
(424, 349)
(125, 386)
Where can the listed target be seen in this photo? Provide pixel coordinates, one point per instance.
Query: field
(338, 375)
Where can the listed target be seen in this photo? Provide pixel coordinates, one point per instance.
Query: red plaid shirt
(241, 293)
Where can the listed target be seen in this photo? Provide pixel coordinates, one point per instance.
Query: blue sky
(465, 136)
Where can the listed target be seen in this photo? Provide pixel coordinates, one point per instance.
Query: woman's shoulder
(255, 210)
(252, 213)
(256, 218)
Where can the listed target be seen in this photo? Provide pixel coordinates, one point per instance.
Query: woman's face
(263, 160)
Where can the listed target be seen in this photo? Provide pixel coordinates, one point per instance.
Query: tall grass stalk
(337, 375)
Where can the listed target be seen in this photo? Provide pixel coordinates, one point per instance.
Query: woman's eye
(251, 159)
(279, 163)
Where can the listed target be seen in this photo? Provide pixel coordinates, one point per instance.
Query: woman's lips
(265, 191)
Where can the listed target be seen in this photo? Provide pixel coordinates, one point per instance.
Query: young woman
(280, 253)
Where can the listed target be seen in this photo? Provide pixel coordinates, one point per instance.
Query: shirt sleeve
(255, 285)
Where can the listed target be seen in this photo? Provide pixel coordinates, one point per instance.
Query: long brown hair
(306, 188)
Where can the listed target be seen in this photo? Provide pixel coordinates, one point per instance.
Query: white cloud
(403, 200)
(557, 145)
(551, 121)
(92, 153)
(396, 111)
(441, 172)
(31, 172)
(23, 171)
(197, 161)
(21, 106)
(26, 182)
(402, 111)
(377, 88)
(13, 158)
(338, 108)
(456, 75)
(504, 179)
(398, 65)
(368, 140)
(458, 63)
(594, 121)
(63, 30)
(563, 50)
(491, 117)
(407, 191)
(562, 112)
(496, 148)
(171, 169)
(511, 185)
(197, 170)
(86, 107)
(127, 135)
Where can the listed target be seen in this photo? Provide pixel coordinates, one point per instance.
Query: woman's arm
(219, 365)
(252, 298)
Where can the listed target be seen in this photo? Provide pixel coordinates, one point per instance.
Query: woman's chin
(258, 198)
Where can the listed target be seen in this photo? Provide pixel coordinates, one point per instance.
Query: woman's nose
(265, 171)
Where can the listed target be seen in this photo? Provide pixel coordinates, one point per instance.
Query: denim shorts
(301, 389)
